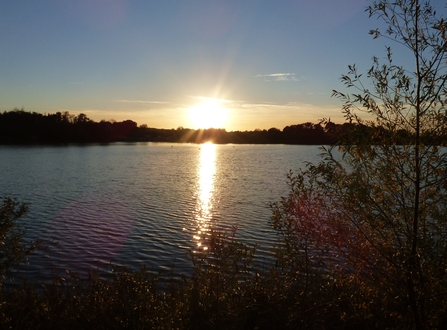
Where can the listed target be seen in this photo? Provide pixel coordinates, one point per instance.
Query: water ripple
(143, 203)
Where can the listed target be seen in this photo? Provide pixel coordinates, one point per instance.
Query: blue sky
(268, 63)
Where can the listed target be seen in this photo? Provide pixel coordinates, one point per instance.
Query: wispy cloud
(141, 101)
(211, 99)
(291, 107)
(278, 77)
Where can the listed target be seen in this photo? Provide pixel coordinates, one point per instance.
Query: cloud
(141, 101)
(278, 77)
(207, 99)
(299, 108)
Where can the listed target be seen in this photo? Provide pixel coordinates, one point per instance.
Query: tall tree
(374, 216)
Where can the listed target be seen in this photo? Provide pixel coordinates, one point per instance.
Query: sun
(209, 114)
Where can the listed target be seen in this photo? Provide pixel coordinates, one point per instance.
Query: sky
(238, 65)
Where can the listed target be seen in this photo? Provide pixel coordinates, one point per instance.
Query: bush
(13, 249)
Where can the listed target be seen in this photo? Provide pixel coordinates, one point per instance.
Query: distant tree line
(22, 127)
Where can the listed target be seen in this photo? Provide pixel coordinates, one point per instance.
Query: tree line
(22, 127)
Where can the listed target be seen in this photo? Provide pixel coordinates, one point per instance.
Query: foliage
(123, 301)
(13, 249)
(218, 282)
(374, 218)
(226, 291)
(21, 127)
(220, 294)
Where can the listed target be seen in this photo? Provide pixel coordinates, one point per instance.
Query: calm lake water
(144, 203)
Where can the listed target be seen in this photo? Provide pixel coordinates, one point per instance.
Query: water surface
(144, 203)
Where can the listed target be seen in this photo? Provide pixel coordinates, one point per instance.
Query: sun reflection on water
(206, 171)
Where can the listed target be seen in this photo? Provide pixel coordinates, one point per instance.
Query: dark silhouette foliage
(13, 248)
(21, 127)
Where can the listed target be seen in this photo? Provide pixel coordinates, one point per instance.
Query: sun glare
(208, 114)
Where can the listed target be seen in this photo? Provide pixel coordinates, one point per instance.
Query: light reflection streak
(206, 171)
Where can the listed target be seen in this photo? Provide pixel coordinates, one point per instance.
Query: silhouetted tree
(373, 220)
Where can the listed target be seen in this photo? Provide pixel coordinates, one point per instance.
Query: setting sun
(209, 114)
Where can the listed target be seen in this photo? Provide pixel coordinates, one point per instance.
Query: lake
(144, 203)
